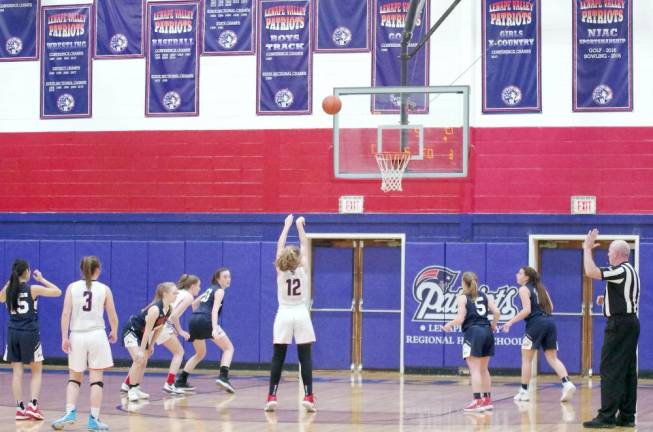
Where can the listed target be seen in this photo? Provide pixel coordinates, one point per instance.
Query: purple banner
(603, 55)
(511, 56)
(389, 18)
(66, 62)
(342, 26)
(284, 57)
(19, 30)
(119, 28)
(228, 27)
(172, 59)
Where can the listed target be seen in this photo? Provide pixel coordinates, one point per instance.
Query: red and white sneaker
(271, 403)
(476, 405)
(309, 403)
(487, 403)
(20, 414)
(33, 412)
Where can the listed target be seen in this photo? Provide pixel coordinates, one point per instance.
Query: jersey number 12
(293, 287)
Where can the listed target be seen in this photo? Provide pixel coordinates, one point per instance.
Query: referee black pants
(619, 368)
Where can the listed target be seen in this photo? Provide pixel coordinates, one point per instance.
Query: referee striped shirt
(621, 290)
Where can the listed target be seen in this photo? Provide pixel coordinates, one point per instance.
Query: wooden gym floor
(371, 402)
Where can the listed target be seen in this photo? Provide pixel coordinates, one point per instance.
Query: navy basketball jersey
(138, 321)
(25, 317)
(207, 299)
(536, 309)
(477, 310)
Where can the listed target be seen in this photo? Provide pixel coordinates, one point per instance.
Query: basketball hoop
(392, 166)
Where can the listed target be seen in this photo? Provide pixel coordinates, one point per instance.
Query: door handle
(351, 309)
(361, 310)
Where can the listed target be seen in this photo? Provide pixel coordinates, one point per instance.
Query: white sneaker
(171, 389)
(124, 388)
(568, 390)
(141, 394)
(132, 395)
(522, 396)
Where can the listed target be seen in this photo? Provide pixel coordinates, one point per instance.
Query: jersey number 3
(88, 299)
(293, 287)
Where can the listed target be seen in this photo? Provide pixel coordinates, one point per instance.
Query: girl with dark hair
(478, 345)
(293, 319)
(23, 338)
(140, 332)
(84, 339)
(204, 325)
(540, 332)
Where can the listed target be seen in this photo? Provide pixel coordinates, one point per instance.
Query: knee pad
(79, 384)
(98, 383)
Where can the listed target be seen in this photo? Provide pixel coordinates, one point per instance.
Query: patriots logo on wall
(435, 292)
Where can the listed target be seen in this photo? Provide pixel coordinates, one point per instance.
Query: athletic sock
(127, 380)
(486, 395)
(477, 395)
(20, 404)
(171, 379)
(273, 389)
(35, 402)
(224, 371)
(70, 408)
(524, 387)
(564, 379)
(95, 412)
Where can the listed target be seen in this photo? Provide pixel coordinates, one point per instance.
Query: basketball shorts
(201, 328)
(131, 338)
(23, 346)
(540, 333)
(293, 322)
(90, 350)
(478, 342)
(167, 332)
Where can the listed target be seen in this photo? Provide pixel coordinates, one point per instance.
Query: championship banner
(342, 26)
(389, 18)
(284, 57)
(19, 30)
(511, 56)
(228, 27)
(66, 61)
(172, 59)
(603, 55)
(119, 28)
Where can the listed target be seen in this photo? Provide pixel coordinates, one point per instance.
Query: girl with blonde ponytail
(478, 345)
(139, 335)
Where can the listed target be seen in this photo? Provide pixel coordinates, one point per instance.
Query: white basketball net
(392, 167)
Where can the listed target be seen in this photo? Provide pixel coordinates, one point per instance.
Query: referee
(619, 352)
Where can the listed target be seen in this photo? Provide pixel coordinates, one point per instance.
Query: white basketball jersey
(181, 295)
(292, 287)
(88, 306)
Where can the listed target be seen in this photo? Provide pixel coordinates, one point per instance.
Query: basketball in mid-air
(331, 104)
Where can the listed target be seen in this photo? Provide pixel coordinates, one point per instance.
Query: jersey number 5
(293, 287)
(480, 307)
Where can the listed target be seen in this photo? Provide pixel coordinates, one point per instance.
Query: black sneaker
(597, 423)
(226, 385)
(625, 423)
(184, 385)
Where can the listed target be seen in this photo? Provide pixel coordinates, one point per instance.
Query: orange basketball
(331, 104)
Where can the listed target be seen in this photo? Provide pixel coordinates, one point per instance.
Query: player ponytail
(542, 294)
(186, 281)
(289, 259)
(88, 266)
(161, 290)
(19, 267)
(470, 284)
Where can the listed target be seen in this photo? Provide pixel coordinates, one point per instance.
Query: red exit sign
(583, 205)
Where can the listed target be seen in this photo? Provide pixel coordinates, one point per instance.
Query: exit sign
(583, 205)
(351, 204)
